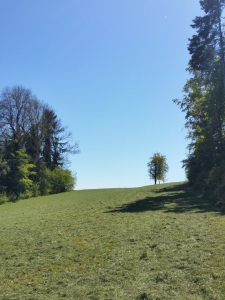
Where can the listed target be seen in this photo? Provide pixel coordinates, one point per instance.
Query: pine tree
(55, 140)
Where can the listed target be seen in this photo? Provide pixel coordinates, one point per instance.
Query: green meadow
(155, 242)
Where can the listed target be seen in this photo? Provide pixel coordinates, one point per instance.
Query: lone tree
(157, 167)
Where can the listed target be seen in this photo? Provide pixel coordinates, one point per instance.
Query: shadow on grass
(177, 199)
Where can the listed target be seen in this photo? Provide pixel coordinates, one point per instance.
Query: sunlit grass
(154, 242)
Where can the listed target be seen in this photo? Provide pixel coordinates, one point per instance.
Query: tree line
(34, 147)
(204, 102)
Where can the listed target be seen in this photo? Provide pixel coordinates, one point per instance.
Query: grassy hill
(153, 242)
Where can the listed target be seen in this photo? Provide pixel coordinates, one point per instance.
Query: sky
(110, 70)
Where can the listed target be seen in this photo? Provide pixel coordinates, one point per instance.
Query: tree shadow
(178, 199)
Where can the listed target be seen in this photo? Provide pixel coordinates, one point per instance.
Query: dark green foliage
(33, 144)
(208, 43)
(215, 184)
(204, 101)
(4, 168)
(55, 140)
(17, 179)
(52, 147)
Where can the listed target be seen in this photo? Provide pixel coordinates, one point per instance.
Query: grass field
(153, 242)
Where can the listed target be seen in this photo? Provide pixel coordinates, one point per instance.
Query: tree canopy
(157, 167)
(204, 101)
(33, 146)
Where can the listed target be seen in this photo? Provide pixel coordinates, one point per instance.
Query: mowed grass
(153, 242)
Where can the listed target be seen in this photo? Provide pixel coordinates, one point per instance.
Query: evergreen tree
(4, 168)
(55, 140)
(17, 179)
(204, 99)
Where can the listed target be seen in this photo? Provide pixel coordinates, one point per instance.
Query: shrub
(216, 185)
(60, 180)
(3, 199)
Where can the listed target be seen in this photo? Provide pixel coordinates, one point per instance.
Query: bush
(61, 181)
(3, 199)
(57, 181)
(216, 185)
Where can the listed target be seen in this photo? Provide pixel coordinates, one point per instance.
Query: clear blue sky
(110, 69)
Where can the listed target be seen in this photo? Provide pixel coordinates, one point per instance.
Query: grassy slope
(154, 242)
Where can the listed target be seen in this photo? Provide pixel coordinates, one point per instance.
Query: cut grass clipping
(154, 242)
